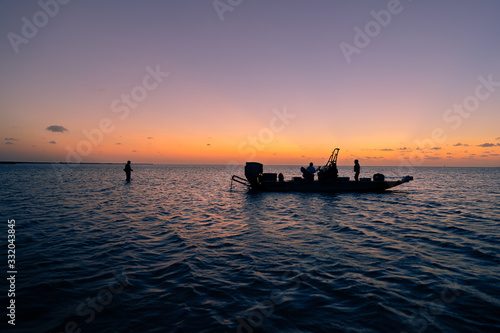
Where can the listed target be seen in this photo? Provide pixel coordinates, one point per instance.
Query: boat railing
(239, 180)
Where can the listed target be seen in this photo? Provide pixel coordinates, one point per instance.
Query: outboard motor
(252, 171)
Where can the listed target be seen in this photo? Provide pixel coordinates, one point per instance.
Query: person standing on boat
(357, 169)
(128, 170)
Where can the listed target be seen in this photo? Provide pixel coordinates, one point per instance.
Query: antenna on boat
(333, 158)
(329, 171)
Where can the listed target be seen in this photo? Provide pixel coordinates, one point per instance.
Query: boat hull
(326, 186)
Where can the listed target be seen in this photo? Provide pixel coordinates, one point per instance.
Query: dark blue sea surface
(176, 250)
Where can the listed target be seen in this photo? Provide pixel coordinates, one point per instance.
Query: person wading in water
(128, 170)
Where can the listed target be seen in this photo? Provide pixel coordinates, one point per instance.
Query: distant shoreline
(117, 163)
(185, 164)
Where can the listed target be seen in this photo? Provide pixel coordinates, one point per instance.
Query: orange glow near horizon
(256, 137)
(278, 149)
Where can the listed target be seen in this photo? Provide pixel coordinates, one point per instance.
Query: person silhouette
(357, 169)
(311, 168)
(308, 173)
(128, 170)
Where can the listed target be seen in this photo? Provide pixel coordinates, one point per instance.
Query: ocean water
(178, 250)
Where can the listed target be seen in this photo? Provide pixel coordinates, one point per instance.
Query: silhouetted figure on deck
(308, 173)
(128, 170)
(357, 169)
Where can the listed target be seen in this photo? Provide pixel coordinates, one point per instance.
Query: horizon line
(209, 164)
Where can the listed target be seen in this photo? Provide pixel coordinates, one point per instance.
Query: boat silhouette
(328, 180)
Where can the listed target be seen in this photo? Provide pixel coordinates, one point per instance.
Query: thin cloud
(460, 144)
(436, 148)
(9, 143)
(487, 144)
(52, 142)
(11, 139)
(118, 143)
(150, 138)
(386, 149)
(497, 138)
(56, 129)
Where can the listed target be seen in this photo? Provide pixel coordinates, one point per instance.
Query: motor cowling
(252, 171)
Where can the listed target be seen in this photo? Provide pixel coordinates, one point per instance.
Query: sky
(410, 82)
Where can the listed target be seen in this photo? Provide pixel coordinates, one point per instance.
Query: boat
(328, 180)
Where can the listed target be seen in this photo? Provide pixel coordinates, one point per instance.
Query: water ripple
(177, 251)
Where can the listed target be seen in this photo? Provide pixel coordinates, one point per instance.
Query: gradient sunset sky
(229, 81)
